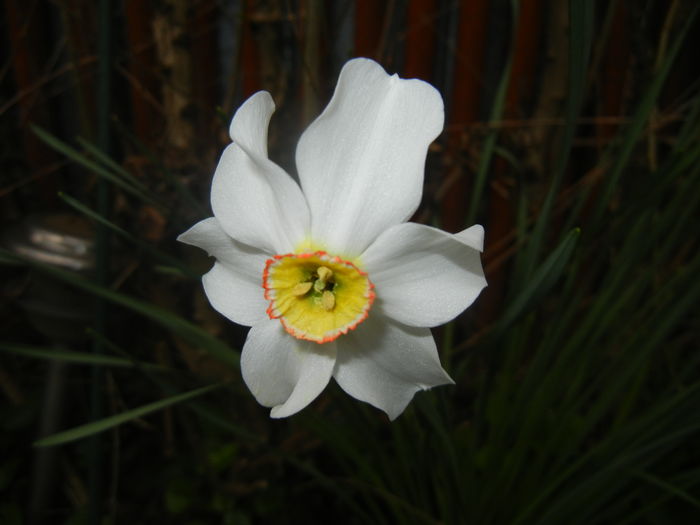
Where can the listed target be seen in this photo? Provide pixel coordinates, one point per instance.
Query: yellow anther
(301, 289)
(328, 300)
(324, 274)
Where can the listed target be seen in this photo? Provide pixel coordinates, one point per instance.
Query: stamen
(301, 289)
(324, 273)
(328, 300)
(319, 285)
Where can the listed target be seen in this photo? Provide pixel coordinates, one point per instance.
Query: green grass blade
(92, 214)
(179, 268)
(670, 488)
(188, 197)
(627, 447)
(110, 422)
(171, 321)
(69, 356)
(92, 166)
(621, 156)
(581, 23)
(496, 113)
(546, 275)
(111, 164)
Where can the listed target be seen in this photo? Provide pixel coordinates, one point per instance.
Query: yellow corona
(317, 296)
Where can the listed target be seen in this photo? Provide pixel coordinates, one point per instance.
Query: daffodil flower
(332, 279)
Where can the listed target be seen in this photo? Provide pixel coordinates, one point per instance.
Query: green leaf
(82, 358)
(176, 267)
(489, 147)
(177, 324)
(109, 163)
(545, 276)
(193, 203)
(621, 156)
(91, 165)
(581, 22)
(670, 488)
(110, 422)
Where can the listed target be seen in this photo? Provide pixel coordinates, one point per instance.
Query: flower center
(316, 296)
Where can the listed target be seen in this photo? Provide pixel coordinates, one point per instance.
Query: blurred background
(572, 134)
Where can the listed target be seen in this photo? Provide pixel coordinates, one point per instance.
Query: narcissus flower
(332, 279)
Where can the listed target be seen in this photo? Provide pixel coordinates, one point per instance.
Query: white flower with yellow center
(328, 274)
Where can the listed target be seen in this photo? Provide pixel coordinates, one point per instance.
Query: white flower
(330, 277)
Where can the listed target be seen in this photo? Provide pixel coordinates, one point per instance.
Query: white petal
(234, 285)
(249, 125)
(424, 276)
(256, 201)
(472, 236)
(361, 162)
(234, 296)
(385, 364)
(283, 372)
(210, 237)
